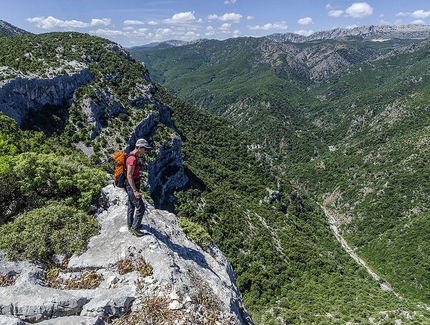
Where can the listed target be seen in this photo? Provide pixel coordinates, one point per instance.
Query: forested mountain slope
(258, 207)
(345, 119)
(289, 264)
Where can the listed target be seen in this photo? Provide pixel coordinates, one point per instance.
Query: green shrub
(196, 232)
(68, 178)
(39, 234)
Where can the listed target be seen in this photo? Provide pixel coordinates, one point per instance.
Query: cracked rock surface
(180, 273)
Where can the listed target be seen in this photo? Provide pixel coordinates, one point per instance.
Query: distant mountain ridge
(371, 32)
(9, 29)
(365, 32)
(163, 45)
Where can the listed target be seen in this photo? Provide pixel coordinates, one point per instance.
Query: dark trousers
(136, 208)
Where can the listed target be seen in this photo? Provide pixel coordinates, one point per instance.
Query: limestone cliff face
(20, 95)
(189, 285)
(165, 172)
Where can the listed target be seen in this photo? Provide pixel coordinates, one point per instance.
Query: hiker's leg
(140, 211)
(130, 213)
(136, 208)
(130, 205)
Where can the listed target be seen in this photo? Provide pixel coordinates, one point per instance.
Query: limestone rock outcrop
(187, 282)
(20, 95)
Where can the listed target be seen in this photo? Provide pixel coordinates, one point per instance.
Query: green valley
(346, 121)
(270, 132)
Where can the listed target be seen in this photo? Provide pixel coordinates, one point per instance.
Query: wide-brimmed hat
(143, 143)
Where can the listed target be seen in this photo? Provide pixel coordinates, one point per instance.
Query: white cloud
(153, 23)
(250, 18)
(418, 22)
(234, 18)
(140, 33)
(128, 32)
(210, 31)
(332, 12)
(226, 2)
(162, 32)
(279, 25)
(305, 21)
(416, 14)
(182, 18)
(133, 22)
(230, 17)
(359, 10)
(190, 36)
(225, 27)
(304, 32)
(335, 13)
(95, 22)
(51, 23)
(108, 32)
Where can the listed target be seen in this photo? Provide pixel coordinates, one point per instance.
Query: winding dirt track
(332, 222)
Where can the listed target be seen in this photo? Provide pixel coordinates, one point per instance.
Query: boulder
(9, 320)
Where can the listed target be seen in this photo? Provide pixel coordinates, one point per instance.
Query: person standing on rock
(136, 206)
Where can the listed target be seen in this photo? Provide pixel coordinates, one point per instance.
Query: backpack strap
(137, 158)
(125, 162)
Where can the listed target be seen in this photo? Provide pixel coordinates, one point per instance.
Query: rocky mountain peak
(8, 29)
(364, 32)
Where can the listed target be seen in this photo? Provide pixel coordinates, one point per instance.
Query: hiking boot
(136, 232)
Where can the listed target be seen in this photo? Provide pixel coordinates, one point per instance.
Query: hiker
(132, 187)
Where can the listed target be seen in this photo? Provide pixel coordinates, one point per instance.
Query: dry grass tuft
(153, 307)
(6, 280)
(127, 265)
(144, 268)
(89, 280)
(153, 310)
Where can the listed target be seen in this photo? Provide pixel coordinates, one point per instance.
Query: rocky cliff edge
(176, 282)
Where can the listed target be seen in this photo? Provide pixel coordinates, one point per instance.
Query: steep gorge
(235, 192)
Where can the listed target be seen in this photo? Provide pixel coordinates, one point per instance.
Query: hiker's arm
(130, 171)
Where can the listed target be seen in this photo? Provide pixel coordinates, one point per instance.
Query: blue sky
(139, 22)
